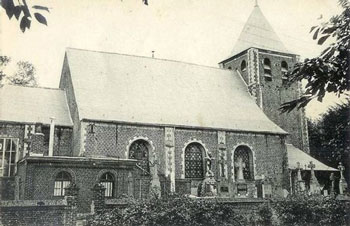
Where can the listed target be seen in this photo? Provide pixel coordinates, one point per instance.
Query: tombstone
(314, 185)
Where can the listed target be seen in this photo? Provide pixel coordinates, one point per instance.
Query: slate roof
(33, 105)
(258, 33)
(296, 155)
(124, 88)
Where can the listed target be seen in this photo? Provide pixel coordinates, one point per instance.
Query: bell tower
(262, 60)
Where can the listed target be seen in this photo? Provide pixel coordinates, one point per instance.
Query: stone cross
(312, 166)
(299, 171)
(314, 185)
(342, 183)
(332, 179)
(341, 169)
(240, 164)
(300, 182)
(209, 160)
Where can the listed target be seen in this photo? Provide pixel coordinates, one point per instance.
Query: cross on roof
(341, 167)
(311, 165)
(298, 165)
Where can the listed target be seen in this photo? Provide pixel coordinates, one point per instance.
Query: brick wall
(7, 188)
(184, 136)
(291, 122)
(38, 178)
(270, 156)
(110, 139)
(35, 212)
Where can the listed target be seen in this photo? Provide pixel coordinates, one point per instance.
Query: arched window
(267, 69)
(194, 167)
(62, 180)
(107, 180)
(243, 158)
(284, 69)
(243, 65)
(139, 150)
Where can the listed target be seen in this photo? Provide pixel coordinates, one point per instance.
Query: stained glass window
(139, 150)
(8, 156)
(107, 180)
(194, 161)
(244, 153)
(63, 180)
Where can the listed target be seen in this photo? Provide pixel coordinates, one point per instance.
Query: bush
(171, 211)
(312, 210)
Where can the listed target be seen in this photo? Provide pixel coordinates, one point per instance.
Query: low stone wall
(36, 212)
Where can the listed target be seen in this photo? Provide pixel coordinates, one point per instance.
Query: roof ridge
(33, 87)
(150, 58)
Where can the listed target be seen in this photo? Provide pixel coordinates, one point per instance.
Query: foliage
(16, 8)
(329, 72)
(171, 211)
(330, 136)
(4, 60)
(305, 210)
(24, 76)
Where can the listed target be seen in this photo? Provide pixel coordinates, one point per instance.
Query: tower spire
(256, 3)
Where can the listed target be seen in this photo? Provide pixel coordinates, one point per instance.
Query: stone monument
(314, 185)
(342, 182)
(208, 187)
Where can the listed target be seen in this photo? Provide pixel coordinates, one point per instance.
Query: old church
(137, 124)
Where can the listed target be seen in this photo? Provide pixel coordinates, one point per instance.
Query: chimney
(52, 136)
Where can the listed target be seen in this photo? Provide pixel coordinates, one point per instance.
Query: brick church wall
(184, 136)
(270, 155)
(111, 139)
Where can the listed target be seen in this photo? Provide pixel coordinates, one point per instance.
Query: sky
(196, 31)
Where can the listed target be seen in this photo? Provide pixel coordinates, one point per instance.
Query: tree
(17, 7)
(330, 137)
(329, 72)
(4, 60)
(24, 76)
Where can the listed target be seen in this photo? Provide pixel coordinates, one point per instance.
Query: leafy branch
(329, 72)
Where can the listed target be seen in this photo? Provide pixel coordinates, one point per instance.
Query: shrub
(171, 211)
(312, 210)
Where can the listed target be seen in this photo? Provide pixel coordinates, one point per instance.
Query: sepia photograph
(174, 112)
